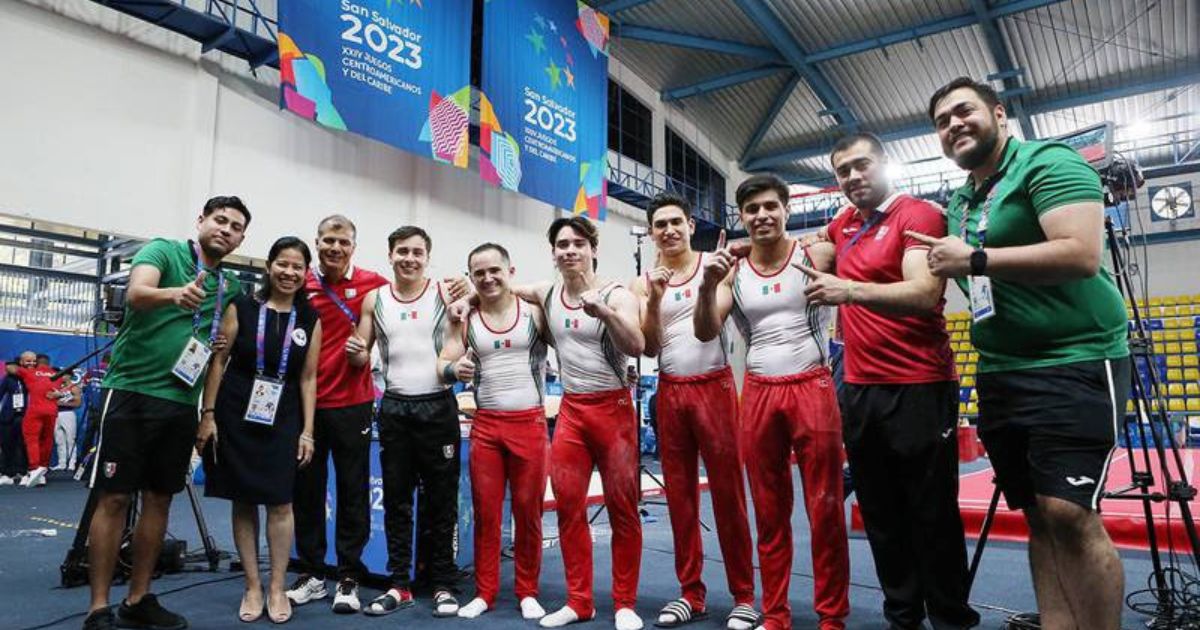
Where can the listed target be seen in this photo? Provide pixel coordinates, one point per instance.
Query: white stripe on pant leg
(100, 442)
(1112, 401)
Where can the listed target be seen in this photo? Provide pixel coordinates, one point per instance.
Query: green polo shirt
(150, 341)
(1039, 326)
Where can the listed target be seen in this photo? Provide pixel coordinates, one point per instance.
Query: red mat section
(1125, 520)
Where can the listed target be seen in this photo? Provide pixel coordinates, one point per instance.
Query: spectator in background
(70, 396)
(13, 461)
(38, 426)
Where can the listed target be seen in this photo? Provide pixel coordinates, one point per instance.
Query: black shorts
(1051, 431)
(145, 443)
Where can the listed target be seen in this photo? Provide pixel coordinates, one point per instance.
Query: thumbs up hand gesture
(191, 295)
(464, 367)
(825, 289)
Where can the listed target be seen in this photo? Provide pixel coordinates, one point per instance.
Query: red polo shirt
(37, 385)
(890, 349)
(338, 383)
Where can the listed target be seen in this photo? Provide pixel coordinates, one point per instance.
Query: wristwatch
(978, 262)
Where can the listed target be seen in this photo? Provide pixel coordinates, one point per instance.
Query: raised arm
(621, 314)
(212, 381)
(144, 293)
(648, 290)
(358, 346)
(454, 362)
(533, 293)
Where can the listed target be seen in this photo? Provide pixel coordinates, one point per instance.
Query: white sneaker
(626, 619)
(345, 600)
(561, 617)
(531, 609)
(41, 481)
(5, 480)
(34, 476)
(473, 609)
(306, 589)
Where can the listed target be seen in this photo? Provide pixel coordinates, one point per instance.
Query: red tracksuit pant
(508, 446)
(38, 430)
(697, 417)
(597, 429)
(782, 415)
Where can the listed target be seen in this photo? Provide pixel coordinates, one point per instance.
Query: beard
(973, 158)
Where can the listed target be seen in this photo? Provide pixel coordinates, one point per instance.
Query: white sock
(628, 620)
(473, 609)
(531, 609)
(738, 624)
(559, 618)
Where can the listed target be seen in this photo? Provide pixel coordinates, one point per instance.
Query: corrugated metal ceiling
(1065, 49)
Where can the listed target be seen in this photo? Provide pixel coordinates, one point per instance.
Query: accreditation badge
(264, 401)
(189, 367)
(18, 402)
(983, 307)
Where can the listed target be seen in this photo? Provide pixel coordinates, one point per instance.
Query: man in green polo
(148, 420)
(1025, 243)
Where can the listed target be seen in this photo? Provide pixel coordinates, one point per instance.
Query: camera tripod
(1155, 443)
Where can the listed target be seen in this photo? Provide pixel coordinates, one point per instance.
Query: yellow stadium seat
(1160, 348)
(1174, 361)
(1171, 335)
(974, 394)
(1159, 335)
(972, 408)
(1169, 311)
(1176, 404)
(1188, 347)
(1172, 322)
(1174, 375)
(1170, 300)
(1175, 389)
(1189, 374)
(1191, 360)
(1156, 311)
(960, 358)
(1141, 302)
(1193, 404)
(973, 357)
(968, 381)
(1192, 389)
(1196, 299)
(1128, 406)
(1154, 301)
(1186, 310)
(969, 368)
(962, 408)
(1173, 348)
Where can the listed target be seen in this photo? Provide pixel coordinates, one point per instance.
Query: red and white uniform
(697, 417)
(340, 384)
(789, 406)
(596, 427)
(41, 414)
(890, 349)
(508, 445)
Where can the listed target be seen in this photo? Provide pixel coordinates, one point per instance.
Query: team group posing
(290, 382)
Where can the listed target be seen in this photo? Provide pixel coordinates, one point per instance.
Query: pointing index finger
(721, 240)
(922, 238)
(806, 270)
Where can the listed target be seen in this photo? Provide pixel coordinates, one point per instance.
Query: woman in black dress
(259, 401)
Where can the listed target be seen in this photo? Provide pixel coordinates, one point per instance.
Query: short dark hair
(226, 201)
(756, 184)
(405, 232)
(485, 247)
(983, 90)
(851, 139)
(576, 222)
(664, 199)
(337, 221)
(42, 355)
(279, 246)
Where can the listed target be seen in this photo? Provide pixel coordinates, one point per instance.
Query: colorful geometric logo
(499, 153)
(593, 188)
(594, 28)
(448, 127)
(304, 91)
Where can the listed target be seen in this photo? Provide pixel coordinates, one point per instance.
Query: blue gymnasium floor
(29, 575)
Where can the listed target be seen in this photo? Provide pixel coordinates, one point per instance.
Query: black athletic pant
(419, 442)
(344, 432)
(13, 459)
(902, 443)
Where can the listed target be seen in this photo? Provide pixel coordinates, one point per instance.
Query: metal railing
(47, 299)
(647, 182)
